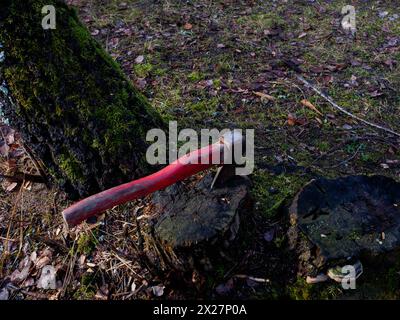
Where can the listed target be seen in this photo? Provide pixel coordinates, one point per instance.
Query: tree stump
(334, 222)
(196, 229)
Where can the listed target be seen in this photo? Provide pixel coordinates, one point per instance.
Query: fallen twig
(244, 276)
(341, 109)
(37, 165)
(347, 160)
(21, 177)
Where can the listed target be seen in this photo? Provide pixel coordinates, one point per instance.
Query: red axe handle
(180, 169)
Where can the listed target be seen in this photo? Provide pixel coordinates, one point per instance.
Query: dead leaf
(28, 282)
(4, 295)
(328, 79)
(11, 166)
(81, 260)
(294, 120)
(139, 59)
(40, 263)
(319, 278)
(47, 252)
(376, 94)
(187, 26)
(47, 278)
(319, 120)
(33, 256)
(347, 127)
(12, 186)
(158, 291)
(302, 35)
(102, 293)
(4, 149)
(19, 276)
(123, 5)
(291, 119)
(269, 235)
(225, 288)
(141, 83)
(264, 96)
(310, 106)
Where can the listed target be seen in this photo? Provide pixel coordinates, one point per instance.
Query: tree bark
(70, 100)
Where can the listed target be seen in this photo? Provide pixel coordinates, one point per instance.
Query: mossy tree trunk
(70, 100)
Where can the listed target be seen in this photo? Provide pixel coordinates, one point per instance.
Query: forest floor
(224, 64)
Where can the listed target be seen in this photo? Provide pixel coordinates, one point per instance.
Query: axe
(182, 168)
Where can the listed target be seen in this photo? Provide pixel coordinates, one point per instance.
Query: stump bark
(335, 222)
(195, 229)
(70, 100)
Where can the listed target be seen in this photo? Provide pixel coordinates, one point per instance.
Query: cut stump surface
(195, 226)
(336, 220)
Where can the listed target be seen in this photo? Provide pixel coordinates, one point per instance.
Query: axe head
(223, 174)
(227, 171)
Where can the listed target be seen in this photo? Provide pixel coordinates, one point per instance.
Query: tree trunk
(70, 100)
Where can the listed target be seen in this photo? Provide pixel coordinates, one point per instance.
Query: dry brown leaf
(310, 106)
(19, 276)
(40, 263)
(12, 186)
(291, 119)
(4, 149)
(264, 96)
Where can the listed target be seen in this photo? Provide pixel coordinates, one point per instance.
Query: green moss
(263, 20)
(86, 243)
(87, 289)
(84, 293)
(143, 70)
(204, 106)
(271, 192)
(220, 271)
(323, 146)
(71, 167)
(217, 83)
(301, 290)
(159, 72)
(195, 76)
(225, 64)
(393, 280)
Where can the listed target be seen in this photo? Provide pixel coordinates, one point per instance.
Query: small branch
(347, 160)
(341, 109)
(37, 165)
(243, 276)
(21, 177)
